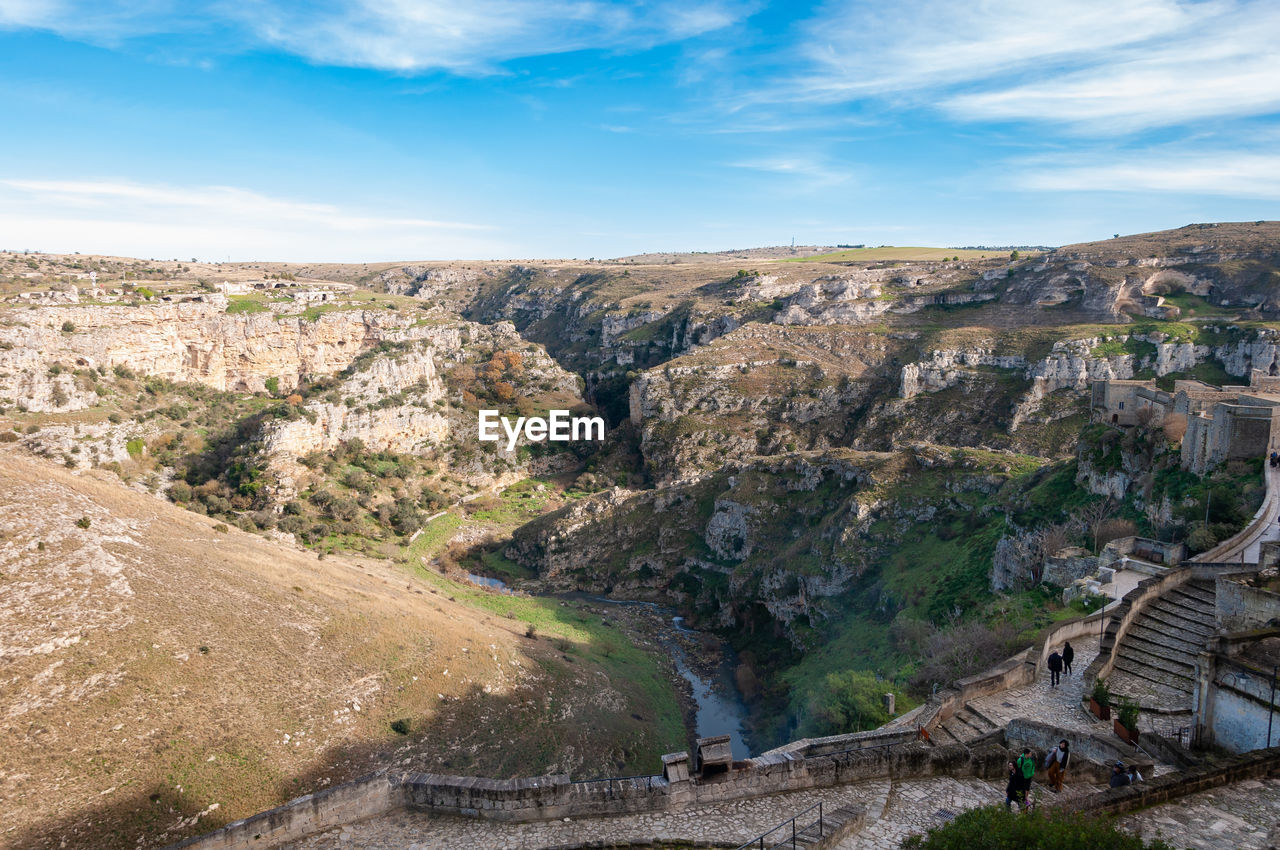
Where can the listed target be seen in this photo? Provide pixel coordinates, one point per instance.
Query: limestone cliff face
(401, 427)
(1075, 364)
(750, 394)
(190, 342)
(713, 546)
(1110, 285)
(862, 297)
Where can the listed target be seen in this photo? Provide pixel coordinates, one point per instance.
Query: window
(1122, 405)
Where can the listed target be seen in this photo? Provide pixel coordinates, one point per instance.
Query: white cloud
(215, 222)
(812, 171)
(1228, 173)
(1101, 66)
(462, 36)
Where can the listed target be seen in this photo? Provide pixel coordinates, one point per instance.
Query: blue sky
(361, 130)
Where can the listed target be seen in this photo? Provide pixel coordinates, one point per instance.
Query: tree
(1014, 255)
(1175, 427)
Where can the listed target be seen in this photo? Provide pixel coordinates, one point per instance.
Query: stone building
(1223, 423)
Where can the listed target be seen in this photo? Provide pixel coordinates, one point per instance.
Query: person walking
(1056, 762)
(1012, 789)
(1026, 766)
(1068, 655)
(1055, 668)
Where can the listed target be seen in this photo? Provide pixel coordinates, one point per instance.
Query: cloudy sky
(413, 129)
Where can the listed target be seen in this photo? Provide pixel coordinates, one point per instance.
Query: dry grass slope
(161, 677)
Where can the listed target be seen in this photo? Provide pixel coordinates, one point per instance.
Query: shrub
(531, 632)
(1051, 829)
(83, 522)
(1101, 693)
(401, 726)
(8, 437)
(221, 528)
(180, 491)
(68, 327)
(1129, 715)
(135, 447)
(850, 701)
(272, 384)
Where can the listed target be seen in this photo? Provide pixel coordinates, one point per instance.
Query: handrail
(758, 841)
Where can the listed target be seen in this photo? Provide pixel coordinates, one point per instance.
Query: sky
(365, 130)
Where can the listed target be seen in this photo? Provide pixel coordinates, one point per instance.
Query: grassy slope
(127, 725)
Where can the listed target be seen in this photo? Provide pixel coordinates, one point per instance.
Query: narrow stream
(720, 710)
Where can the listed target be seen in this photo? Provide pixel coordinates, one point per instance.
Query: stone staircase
(1156, 662)
(965, 725)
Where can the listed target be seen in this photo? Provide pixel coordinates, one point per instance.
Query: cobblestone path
(730, 823)
(1222, 819)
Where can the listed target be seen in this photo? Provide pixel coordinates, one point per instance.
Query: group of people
(1060, 662)
(1122, 776)
(1023, 769)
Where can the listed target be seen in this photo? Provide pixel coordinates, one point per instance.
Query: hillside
(165, 674)
(825, 462)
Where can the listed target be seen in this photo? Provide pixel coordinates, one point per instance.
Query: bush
(83, 522)
(850, 701)
(68, 327)
(135, 447)
(1129, 715)
(180, 491)
(273, 385)
(1052, 829)
(8, 437)
(1101, 693)
(401, 726)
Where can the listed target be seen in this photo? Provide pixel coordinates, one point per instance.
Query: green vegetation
(245, 304)
(584, 638)
(1052, 829)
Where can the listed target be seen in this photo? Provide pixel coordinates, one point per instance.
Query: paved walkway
(732, 823)
(894, 810)
(1222, 819)
(1037, 701)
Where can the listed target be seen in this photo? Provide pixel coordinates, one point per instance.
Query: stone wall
(555, 796)
(1240, 607)
(366, 797)
(1172, 786)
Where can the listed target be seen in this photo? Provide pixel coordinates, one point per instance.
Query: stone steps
(1181, 618)
(1143, 655)
(1173, 681)
(968, 723)
(1203, 592)
(1170, 642)
(1156, 662)
(1146, 693)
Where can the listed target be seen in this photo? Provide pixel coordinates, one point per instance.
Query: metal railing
(791, 831)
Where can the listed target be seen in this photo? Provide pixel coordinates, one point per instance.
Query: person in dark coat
(1119, 776)
(1068, 655)
(1013, 796)
(1055, 668)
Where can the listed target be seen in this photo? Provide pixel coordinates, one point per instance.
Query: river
(720, 710)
